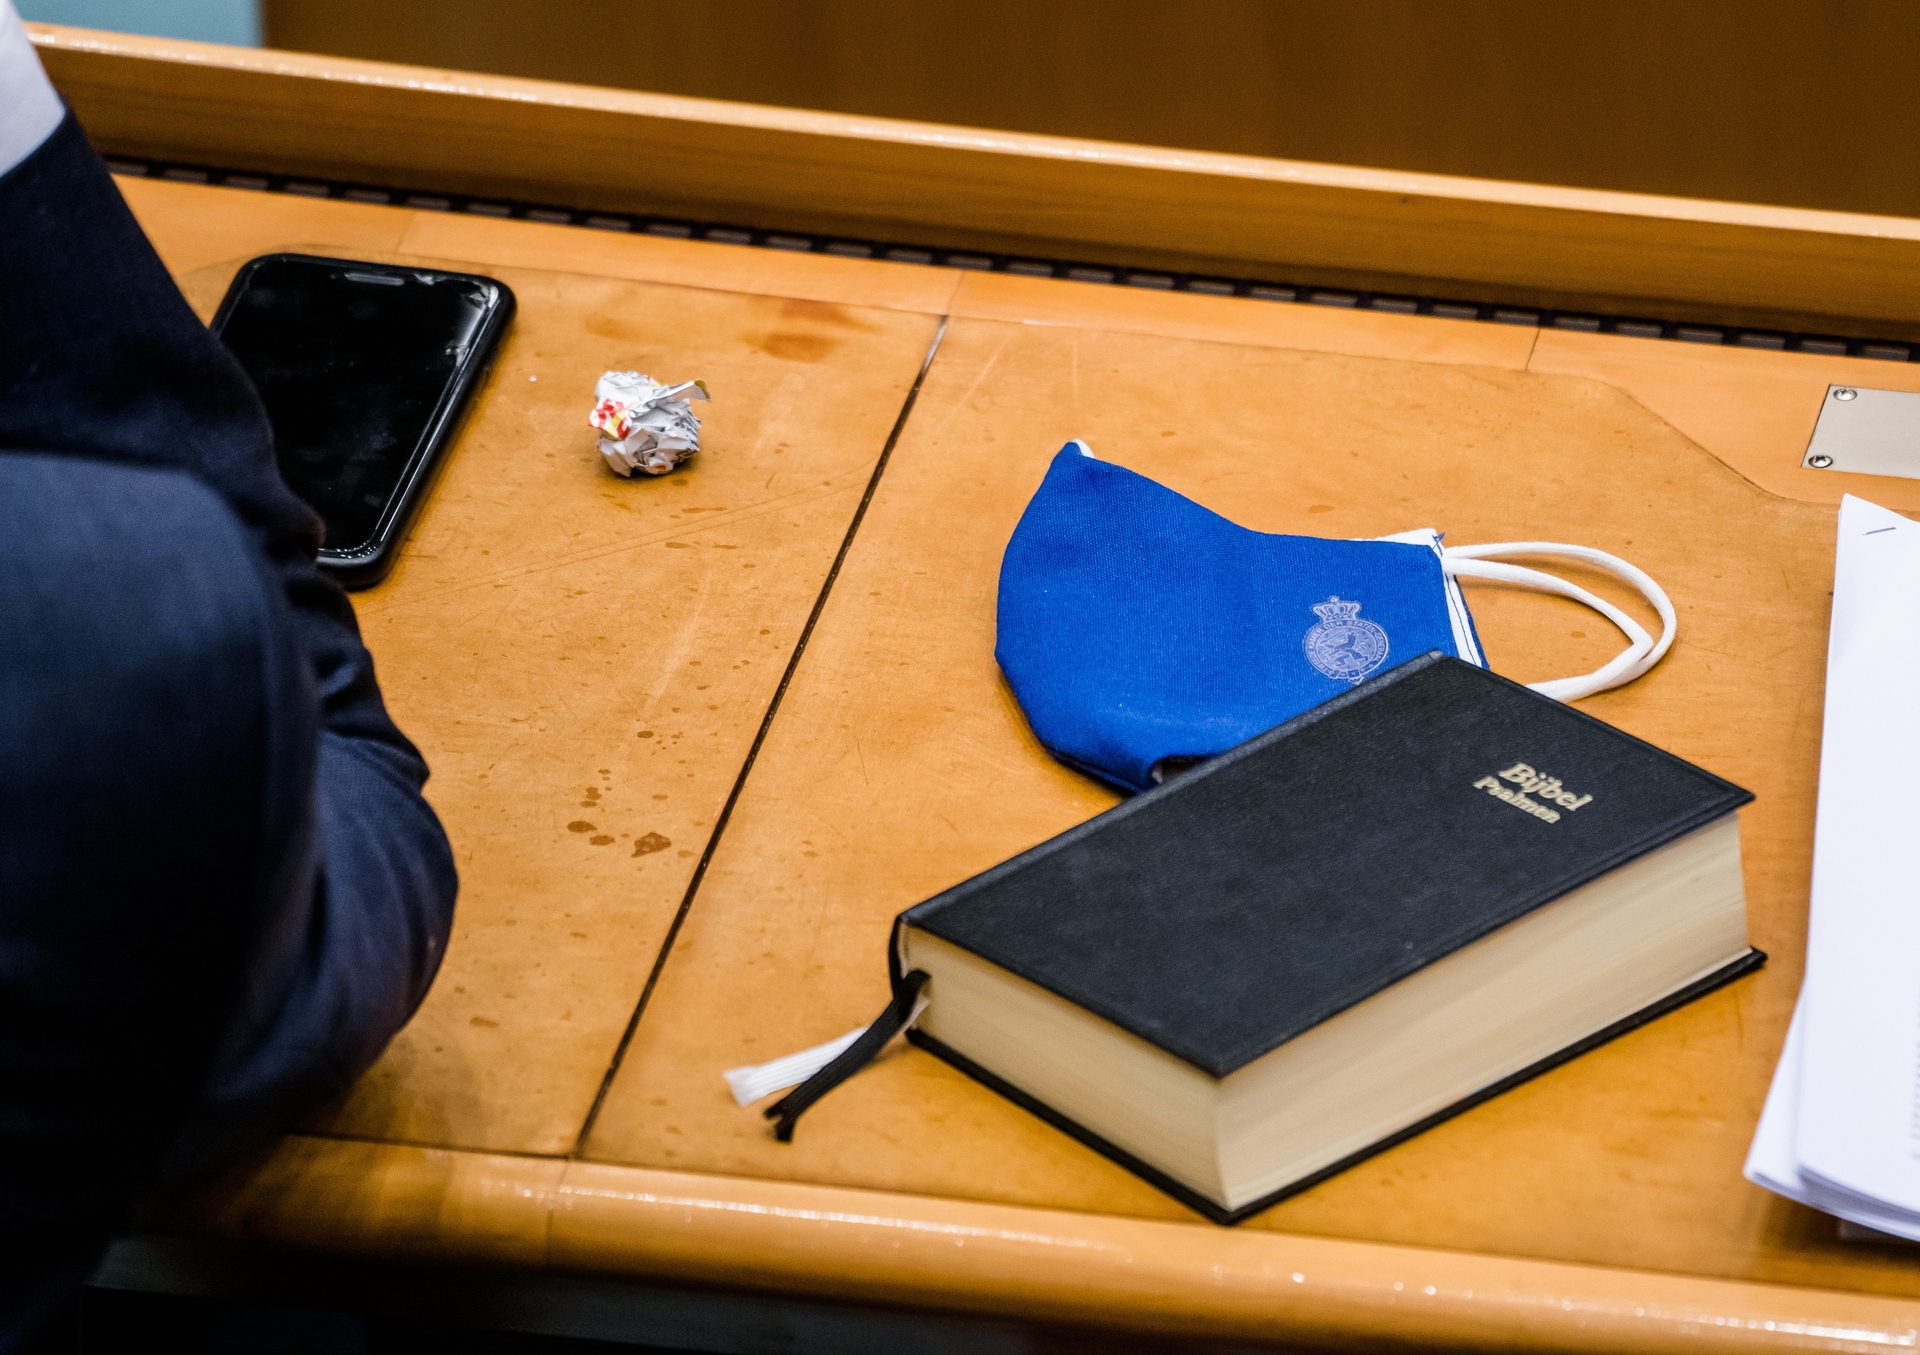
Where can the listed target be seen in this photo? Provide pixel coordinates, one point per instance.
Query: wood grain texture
(585, 660)
(1264, 324)
(1598, 1208)
(325, 1194)
(957, 186)
(1175, 1280)
(726, 268)
(900, 765)
(1716, 98)
(1754, 410)
(194, 227)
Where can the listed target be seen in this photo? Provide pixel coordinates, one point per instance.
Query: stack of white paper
(1841, 1127)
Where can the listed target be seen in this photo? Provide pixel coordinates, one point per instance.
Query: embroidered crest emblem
(1343, 645)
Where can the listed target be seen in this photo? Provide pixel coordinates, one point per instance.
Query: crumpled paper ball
(645, 426)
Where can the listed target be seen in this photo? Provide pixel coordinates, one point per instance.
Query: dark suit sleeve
(101, 359)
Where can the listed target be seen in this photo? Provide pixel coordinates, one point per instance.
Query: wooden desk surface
(573, 649)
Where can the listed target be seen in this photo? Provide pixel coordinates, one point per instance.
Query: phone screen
(355, 363)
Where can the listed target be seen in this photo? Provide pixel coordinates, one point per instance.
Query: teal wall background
(232, 21)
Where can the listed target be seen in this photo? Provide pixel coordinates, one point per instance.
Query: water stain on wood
(794, 346)
(652, 842)
(822, 313)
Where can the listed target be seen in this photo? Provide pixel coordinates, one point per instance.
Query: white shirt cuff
(29, 109)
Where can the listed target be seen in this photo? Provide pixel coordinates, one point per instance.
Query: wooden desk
(570, 648)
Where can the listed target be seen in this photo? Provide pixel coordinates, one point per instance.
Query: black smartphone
(364, 369)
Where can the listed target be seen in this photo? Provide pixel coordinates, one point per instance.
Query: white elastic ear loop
(1639, 656)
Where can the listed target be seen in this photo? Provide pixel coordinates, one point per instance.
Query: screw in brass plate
(1820, 462)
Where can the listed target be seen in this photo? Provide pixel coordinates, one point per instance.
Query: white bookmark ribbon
(759, 1080)
(756, 1081)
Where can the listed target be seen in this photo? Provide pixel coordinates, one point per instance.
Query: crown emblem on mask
(1333, 609)
(1344, 646)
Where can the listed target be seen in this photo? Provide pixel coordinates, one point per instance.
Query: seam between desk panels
(759, 738)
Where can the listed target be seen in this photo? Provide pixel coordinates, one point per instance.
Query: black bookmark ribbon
(788, 1109)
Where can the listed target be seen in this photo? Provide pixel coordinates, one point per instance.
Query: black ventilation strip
(1828, 345)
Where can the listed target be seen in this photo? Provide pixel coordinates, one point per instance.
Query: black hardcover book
(1337, 934)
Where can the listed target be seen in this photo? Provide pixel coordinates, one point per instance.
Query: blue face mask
(1141, 632)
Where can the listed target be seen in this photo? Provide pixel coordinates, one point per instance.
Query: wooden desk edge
(1143, 206)
(386, 1200)
(434, 1205)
